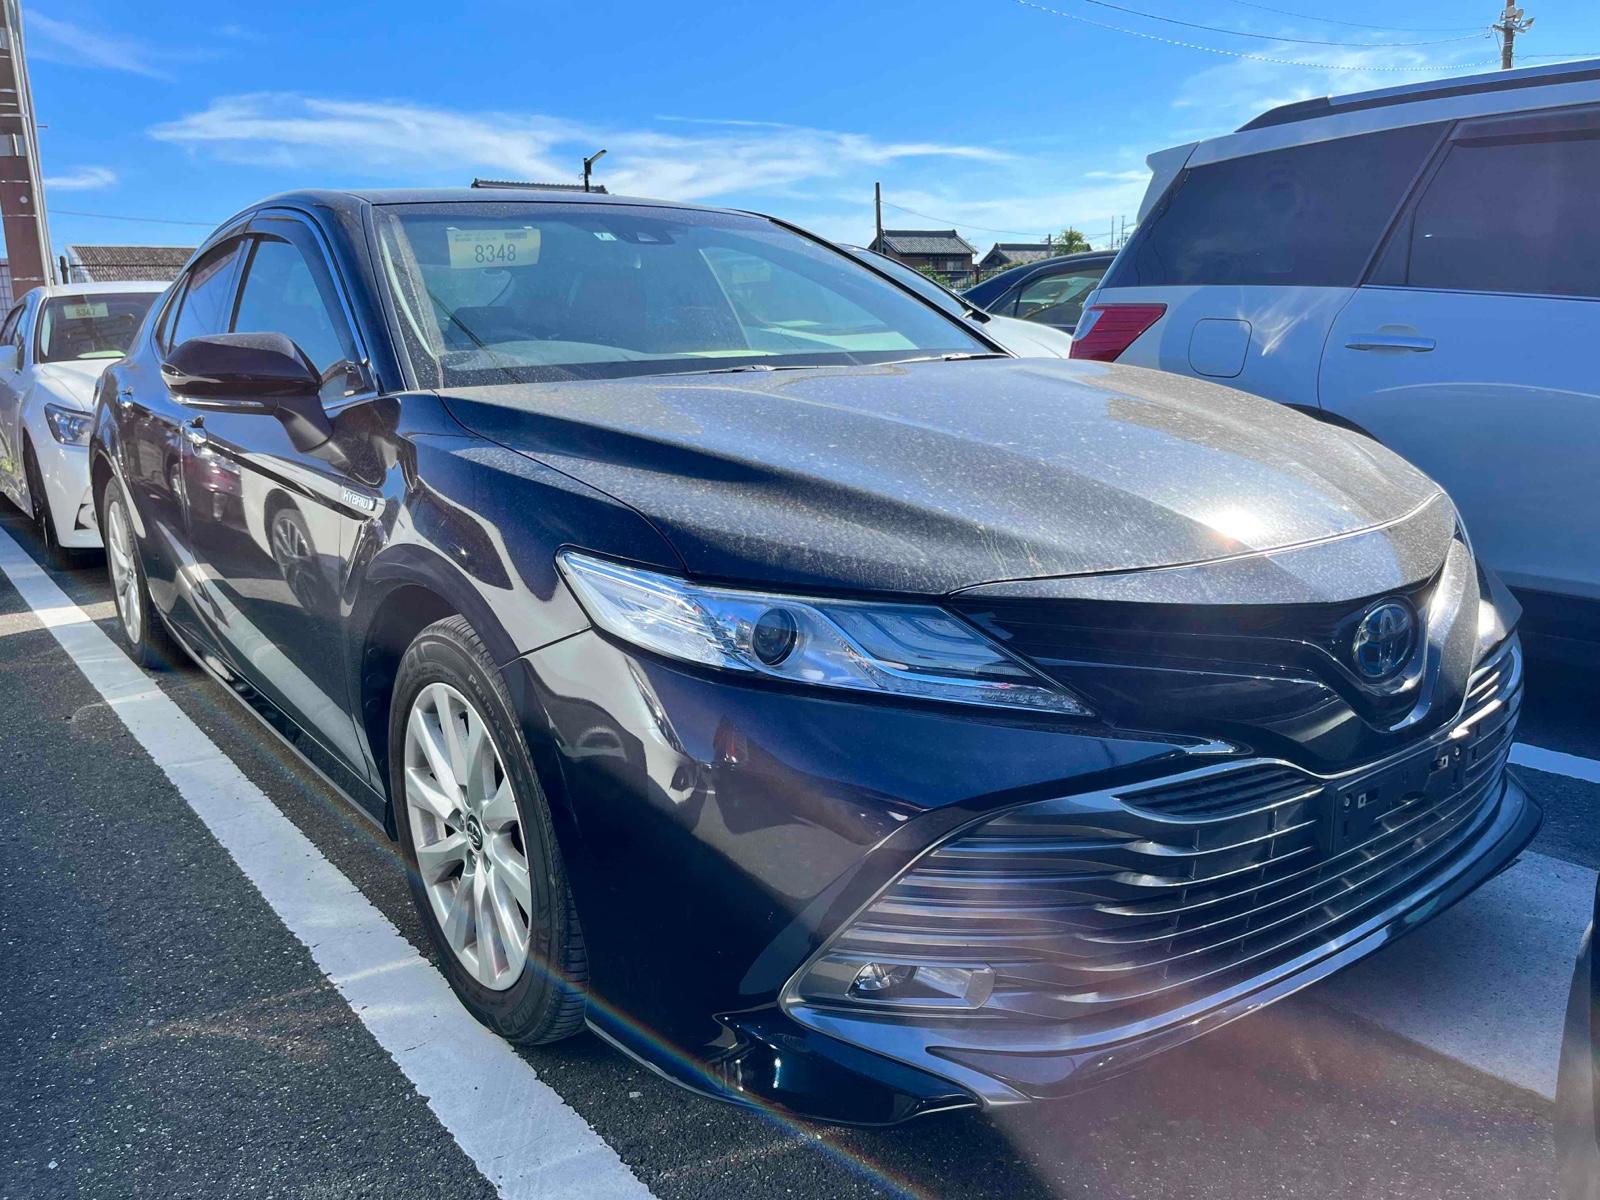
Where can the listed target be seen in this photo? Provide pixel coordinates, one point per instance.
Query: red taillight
(1106, 330)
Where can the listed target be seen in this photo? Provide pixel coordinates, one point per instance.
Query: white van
(1421, 263)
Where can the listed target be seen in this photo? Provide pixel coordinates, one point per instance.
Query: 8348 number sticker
(481, 248)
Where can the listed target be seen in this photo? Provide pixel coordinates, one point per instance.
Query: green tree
(1070, 241)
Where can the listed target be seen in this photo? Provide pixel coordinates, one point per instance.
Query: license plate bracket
(1358, 808)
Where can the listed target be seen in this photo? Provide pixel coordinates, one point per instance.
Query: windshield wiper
(957, 356)
(756, 367)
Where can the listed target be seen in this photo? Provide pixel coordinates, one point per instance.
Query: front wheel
(141, 629)
(57, 554)
(486, 874)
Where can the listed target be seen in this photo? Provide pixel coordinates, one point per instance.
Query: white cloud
(823, 175)
(50, 39)
(382, 137)
(81, 179)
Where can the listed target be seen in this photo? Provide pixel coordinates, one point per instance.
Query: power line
(985, 229)
(70, 212)
(1269, 37)
(1282, 62)
(961, 224)
(1284, 12)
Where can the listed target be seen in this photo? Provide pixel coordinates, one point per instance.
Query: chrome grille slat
(1043, 943)
(1113, 901)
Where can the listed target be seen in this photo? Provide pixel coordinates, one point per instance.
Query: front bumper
(1000, 1067)
(721, 837)
(65, 470)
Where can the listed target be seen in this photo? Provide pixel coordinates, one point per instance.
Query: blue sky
(1002, 119)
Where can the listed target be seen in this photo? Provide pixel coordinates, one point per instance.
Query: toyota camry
(761, 668)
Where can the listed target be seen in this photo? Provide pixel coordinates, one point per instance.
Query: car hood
(931, 477)
(72, 381)
(1026, 339)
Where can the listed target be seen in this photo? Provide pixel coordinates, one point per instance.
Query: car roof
(95, 289)
(1003, 280)
(355, 199)
(1434, 89)
(1526, 89)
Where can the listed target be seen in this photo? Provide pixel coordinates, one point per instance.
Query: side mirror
(8, 358)
(240, 372)
(252, 373)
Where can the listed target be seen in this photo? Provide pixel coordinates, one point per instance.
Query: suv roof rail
(1498, 81)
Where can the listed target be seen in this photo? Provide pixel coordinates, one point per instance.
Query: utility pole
(21, 193)
(1512, 22)
(877, 211)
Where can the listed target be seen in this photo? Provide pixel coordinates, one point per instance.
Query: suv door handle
(1390, 341)
(195, 432)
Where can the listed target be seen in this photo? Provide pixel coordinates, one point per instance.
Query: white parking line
(1557, 763)
(1486, 982)
(517, 1130)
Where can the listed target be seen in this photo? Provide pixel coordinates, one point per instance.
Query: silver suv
(1420, 263)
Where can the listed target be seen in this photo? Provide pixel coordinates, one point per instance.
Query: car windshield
(98, 325)
(522, 292)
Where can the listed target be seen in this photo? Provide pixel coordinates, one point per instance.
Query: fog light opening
(898, 982)
(878, 980)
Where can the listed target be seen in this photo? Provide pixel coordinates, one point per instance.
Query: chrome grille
(1123, 904)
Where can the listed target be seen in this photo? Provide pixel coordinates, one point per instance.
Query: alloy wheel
(124, 572)
(467, 833)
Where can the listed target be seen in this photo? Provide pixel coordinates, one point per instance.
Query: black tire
(1577, 1154)
(56, 554)
(547, 1002)
(149, 645)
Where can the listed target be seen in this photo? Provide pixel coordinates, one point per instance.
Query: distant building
(1010, 254)
(6, 298)
(943, 251)
(120, 264)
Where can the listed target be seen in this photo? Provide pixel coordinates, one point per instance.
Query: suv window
(1306, 216)
(1507, 215)
(1056, 299)
(204, 307)
(280, 294)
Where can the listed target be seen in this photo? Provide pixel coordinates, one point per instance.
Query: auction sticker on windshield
(87, 310)
(471, 248)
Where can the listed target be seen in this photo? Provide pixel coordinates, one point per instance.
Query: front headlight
(69, 426)
(899, 649)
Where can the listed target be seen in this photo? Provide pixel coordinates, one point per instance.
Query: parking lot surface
(215, 984)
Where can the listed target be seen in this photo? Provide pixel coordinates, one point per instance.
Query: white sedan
(53, 346)
(1025, 339)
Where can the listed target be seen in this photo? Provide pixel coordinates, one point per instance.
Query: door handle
(195, 432)
(1391, 341)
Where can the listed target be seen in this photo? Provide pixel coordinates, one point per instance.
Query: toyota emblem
(1384, 639)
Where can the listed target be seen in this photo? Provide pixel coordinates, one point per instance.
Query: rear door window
(9, 330)
(1503, 213)
(1305, 216)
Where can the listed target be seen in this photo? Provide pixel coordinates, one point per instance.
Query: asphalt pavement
(214, 984)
